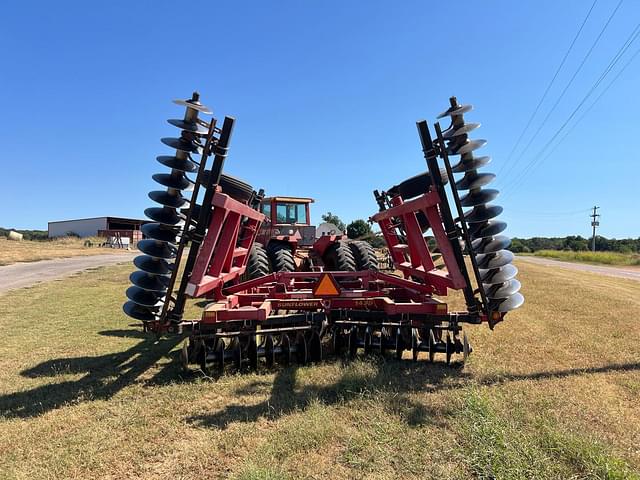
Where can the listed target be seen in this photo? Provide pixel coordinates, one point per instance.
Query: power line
(573, 77)
(544, 95)
(537, 159)
(586, 112)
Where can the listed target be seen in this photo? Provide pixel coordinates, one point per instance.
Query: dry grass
(604, 258)
(31, 251)
(551, 393)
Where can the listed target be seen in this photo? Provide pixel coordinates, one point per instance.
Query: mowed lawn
(553, 392)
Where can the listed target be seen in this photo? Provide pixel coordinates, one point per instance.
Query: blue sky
(326, 95)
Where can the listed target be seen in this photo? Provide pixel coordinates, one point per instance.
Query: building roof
(109, 219)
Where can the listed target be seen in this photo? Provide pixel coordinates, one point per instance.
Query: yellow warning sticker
(326, 287)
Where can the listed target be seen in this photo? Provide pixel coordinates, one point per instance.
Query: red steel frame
(225, 250)
(233, 227)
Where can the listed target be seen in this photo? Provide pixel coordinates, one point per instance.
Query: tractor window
(291, 213)
(266, 209)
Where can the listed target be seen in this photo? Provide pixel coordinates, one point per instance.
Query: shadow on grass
(391, 384)
(389, 381)
(104, 376)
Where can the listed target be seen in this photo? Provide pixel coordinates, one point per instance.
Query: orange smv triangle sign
(326, 287)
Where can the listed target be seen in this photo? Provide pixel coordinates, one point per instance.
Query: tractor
(287, 242)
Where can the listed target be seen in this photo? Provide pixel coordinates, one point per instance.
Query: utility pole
(594, 223)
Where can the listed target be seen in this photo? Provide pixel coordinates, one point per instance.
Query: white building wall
(86, 227)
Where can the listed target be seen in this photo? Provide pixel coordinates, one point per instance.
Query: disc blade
(479, 197)
(474, 180)
(144, 297)
(189, 126)
(482, 213)
(181, 144)
(511, 303)
(473, 164)
(467, 147)
(175, 163)
(502, 290)
(451, 132)
(154, 265)
(157, 249)
(147, 281)
(164, 216)
(138, 312)
(165, 198)
(160, 232)
(194, 105)
(494, 260)
(458, 110)
(173, 181)
(498, 275)
(490, 245)
(493, 227)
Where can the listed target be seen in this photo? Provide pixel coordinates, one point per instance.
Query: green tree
(331, 218)
(358, 229)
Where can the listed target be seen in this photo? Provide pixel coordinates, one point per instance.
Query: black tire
(339, 257)
(258, 263)
(364, 255)
(232, 186)
(416, 185)
(281, 257)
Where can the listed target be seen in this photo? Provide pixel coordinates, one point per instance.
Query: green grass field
(551, 393)
(605, 258)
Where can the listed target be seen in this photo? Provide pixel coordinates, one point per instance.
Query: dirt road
(21, 275)
(621, 272)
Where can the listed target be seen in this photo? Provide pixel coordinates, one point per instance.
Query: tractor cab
(287, 220)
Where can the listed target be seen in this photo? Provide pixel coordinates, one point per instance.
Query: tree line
(361, 230)
(575, 243)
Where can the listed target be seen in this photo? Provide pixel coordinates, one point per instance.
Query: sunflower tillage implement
(303, 312)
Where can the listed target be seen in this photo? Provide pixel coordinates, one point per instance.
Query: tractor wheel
(232, 186)
(281, 257)
(339, 257)
(364, 255)
(258, 263)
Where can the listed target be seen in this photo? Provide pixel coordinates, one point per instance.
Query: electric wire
(566, 88)
(538, 159)
(546, 91)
